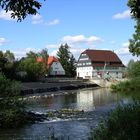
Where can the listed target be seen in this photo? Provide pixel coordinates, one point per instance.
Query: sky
(82, 24)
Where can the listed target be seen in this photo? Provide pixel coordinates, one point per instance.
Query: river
(97, 102)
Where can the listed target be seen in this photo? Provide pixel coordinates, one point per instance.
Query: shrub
(12, 109)
(123, 123)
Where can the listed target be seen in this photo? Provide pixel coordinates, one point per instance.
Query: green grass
(127, 86)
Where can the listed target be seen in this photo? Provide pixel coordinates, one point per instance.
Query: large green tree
(35, 70)
(67, 60)
(21, 8)
(134, 42)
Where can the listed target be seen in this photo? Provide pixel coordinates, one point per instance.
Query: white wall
(84, 71)
(57, 69)
(89, 72)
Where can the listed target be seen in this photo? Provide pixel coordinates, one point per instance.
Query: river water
(98, 102)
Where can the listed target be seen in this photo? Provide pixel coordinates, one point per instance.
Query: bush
(132, 85)
(11, 108)
(123, 123)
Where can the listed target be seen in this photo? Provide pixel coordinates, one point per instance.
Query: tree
(32, 54)
(3, 61)
(72, 66)
(44, 55)
(130, 64)
(20, 8)
(135, 8)
(134, 71)
(35, 70)
(66, 59)
(134, 43)
(9, 56)
(11, 108)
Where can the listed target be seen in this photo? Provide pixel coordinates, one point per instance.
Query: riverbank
(47, 87)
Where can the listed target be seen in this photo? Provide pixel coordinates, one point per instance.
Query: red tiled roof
(102, 56)
(52, 59)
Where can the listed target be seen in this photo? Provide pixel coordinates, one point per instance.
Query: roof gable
(52, 59)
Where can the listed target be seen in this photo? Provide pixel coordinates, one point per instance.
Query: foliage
(127, 86)
(135, 8)
(8, 64)
(11, 107)
(123, 123)
(134, 71)
(8, 88)
(44, 54)
(67, 60)
(134, 43)
(34, 69)
(72, 69)
(20, 8)
(129, 65)
(9, 56)
(133, 84)
(31, 54)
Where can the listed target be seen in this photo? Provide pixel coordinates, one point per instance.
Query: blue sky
(83, 24)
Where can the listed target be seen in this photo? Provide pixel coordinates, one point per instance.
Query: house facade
(55, 66)
(99, 63)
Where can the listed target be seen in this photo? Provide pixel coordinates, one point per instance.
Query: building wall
(85, 69)
(57, 69)
(84, 72)
(107, 73)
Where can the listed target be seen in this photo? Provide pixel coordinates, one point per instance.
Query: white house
(55, 66)
(99, 63)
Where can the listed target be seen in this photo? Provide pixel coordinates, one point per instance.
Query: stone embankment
(40, 87)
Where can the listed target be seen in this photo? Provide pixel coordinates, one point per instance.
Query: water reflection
(86, 100)
(89, 100)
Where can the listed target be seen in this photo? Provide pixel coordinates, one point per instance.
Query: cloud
(81, 39)
(75, 51)
(52, 46)
(53, 22)
(125, 14)
(3, 41)
(6, 15)
(37, 19)
(22, 52)
(124, 50)
(77, 44)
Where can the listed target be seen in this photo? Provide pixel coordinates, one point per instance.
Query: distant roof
(102, 55)
(52, 59)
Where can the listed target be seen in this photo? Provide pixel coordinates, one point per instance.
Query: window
(83, 54)
(82, 59)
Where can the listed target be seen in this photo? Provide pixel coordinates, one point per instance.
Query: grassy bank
(123, 123)
(131, 85)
